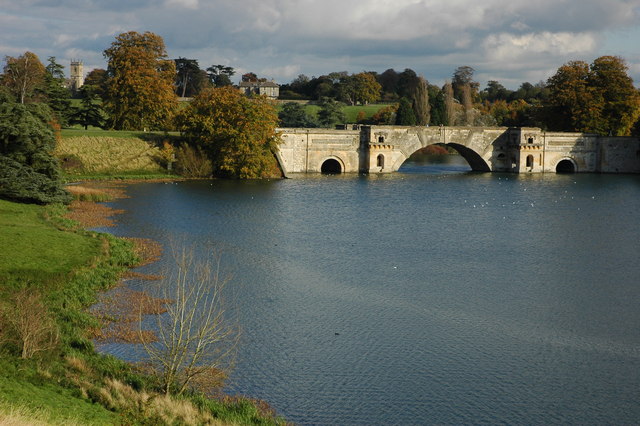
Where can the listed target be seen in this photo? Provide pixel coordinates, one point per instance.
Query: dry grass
(109, 155)
(119, 313)
(157, 408)
(20, 415)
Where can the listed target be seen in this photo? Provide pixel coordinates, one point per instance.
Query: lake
(429, 296)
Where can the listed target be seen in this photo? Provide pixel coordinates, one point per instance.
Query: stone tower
(77, 75)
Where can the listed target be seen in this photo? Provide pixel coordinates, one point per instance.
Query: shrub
(192, 162)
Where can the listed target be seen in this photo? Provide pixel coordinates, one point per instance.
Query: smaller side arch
(566, 165)
(332, 165)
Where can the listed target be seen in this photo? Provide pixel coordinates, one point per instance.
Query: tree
(294, 114)
(405, 115)
(28, 171)
(220, 75)
(98, 80)
(621, 100)
(359, 88)
(250, 77)
(58, 96)
(189, 77)
(237, 132)
(449, 105)
(196, 341)
(420, 102)
(140, 92)
(89, 113)
(389, 82)
(437, 106)
(495, 91)
(407, 82)
(467, 104)
(23, 76)
(462, 77)
(573, 104)
(330, 112)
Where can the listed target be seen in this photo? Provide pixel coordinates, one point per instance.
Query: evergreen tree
(28, 171)
(57, 94)
(90, 112)
(294, 114)
(330, 112)
(405, 115)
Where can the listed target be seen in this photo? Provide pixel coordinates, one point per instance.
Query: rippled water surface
(430, 296)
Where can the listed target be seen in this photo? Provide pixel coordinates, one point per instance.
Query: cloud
(515, 41)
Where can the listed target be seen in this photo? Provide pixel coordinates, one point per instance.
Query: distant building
(269, 88)
(77, 75)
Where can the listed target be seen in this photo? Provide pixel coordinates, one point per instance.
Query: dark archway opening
(331, 166)
(565, 166)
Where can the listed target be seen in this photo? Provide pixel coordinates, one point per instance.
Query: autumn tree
(140, 91)
(24, 76)
(574, 104)
(237, 132)
(620, 99)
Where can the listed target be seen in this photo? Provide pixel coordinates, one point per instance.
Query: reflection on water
(430, 296)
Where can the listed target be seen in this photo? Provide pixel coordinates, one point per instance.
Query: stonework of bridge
(383, 149)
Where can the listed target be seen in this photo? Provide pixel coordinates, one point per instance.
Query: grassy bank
(110, 154)
(50, 274)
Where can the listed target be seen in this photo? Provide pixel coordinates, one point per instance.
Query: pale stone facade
(268, 88)
(383, 149)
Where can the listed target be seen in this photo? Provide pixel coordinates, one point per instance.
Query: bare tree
(28, 324)
(196, 340)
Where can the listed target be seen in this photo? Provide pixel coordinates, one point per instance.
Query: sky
(511, 41)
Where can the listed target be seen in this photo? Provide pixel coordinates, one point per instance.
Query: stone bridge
(383, 149)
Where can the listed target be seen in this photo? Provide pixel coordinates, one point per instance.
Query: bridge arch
(477, 163)
(332, 165)
(566, 165)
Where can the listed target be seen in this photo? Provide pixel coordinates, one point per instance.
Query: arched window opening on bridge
(530, 140)
(381, 161)
(381, 139)
(331, 166)
(530, 161)
(565, 166)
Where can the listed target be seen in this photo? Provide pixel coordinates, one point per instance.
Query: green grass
(351, 111)
(77, 131)
(34, 250)
(49, 404)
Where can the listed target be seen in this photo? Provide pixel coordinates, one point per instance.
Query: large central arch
(476, 162)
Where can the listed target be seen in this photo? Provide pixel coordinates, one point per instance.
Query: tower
(77, 75)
